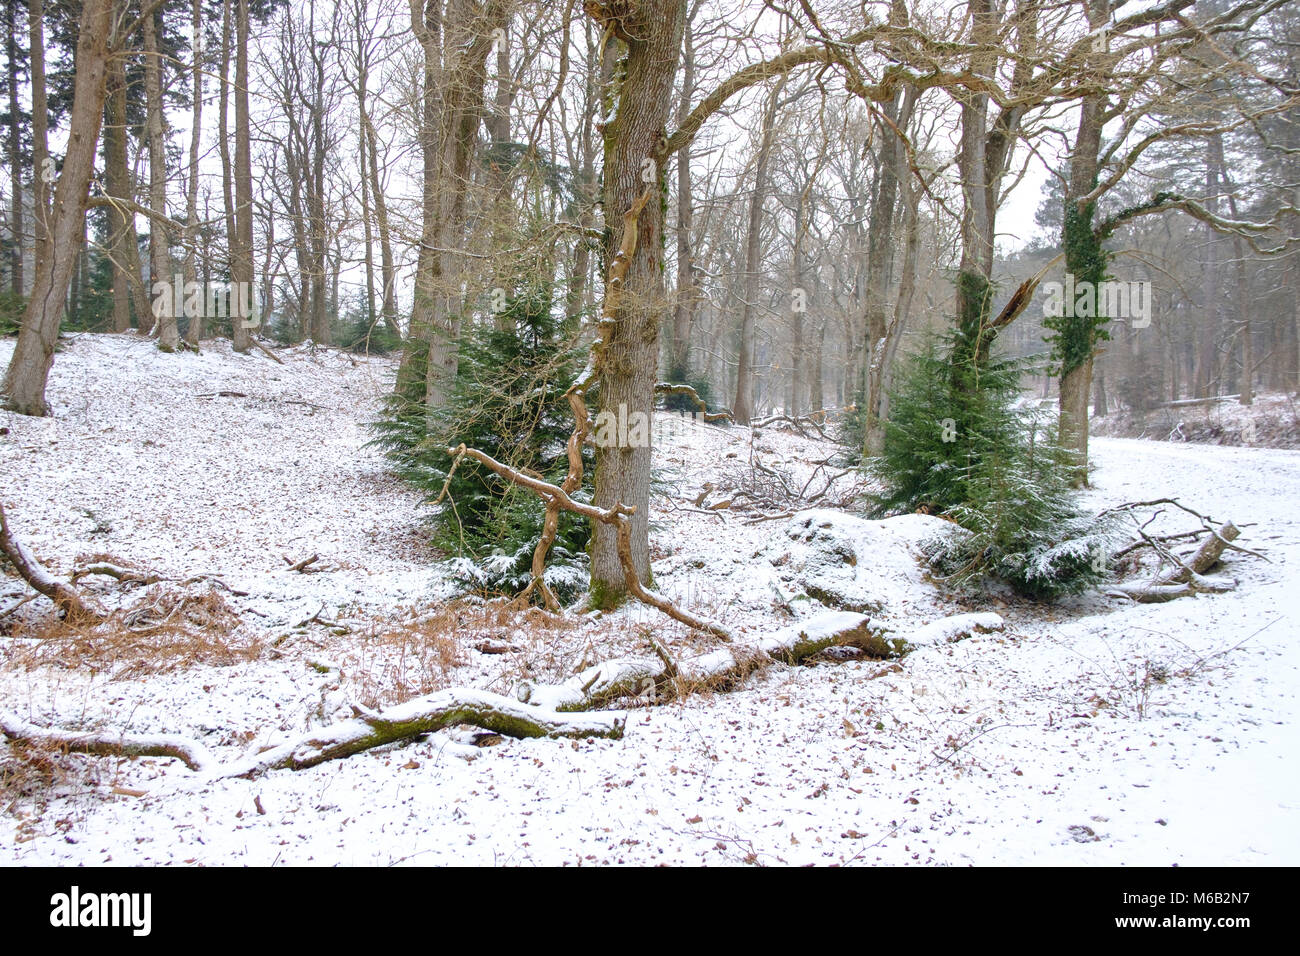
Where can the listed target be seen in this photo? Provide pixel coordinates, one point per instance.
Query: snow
(1095, 732)
(949, 629)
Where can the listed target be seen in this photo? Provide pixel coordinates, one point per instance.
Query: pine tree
(960, 443)
(508, 401)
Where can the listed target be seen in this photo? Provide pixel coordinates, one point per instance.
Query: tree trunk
(1085, 259)
(160, 267)
(29, 368)
(16, 164)
(42, 166)
(881, 334)
(241, 258)
(194, 331)
(363, 159)
(743, 405)
(684, 304)
(223, 137)
(634, 139)
(1208, 353)
(455, 49)
(124, 251)
(974, 273)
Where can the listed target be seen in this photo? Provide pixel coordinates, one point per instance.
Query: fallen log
(1187, 577)
(561, 711)
(1211, 549)
(1166, 590)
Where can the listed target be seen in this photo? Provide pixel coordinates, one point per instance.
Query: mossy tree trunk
(1076, 337)
(650, 33)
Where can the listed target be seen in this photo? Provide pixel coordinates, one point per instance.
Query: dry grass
(421, 652)
(32, 773)
(164, 629)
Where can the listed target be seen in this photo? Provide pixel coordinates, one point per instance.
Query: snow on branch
(106, 743)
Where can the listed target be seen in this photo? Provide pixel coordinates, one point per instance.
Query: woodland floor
(1096, 732)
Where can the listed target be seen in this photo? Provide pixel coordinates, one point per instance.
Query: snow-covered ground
(1272, 420)
(1096, 732)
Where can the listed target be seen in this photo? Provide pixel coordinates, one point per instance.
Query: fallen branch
(121, 574)
(65, 597)
(625, 677)
(192, 753)
(422, 716)
(19, 603)
(366, 731)
(797, 423)
(269, 354)
(302, 565)
(668, 388)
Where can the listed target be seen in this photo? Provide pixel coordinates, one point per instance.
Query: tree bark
(160, 267)
(241, 259)
(194, 330)
(16, 164)
(635, 140)
(29, 368)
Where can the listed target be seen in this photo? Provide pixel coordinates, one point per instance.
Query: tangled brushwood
(961, 443)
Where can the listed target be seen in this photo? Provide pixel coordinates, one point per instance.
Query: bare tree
(29, 368)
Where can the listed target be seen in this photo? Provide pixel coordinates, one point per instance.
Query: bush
(959, 443)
